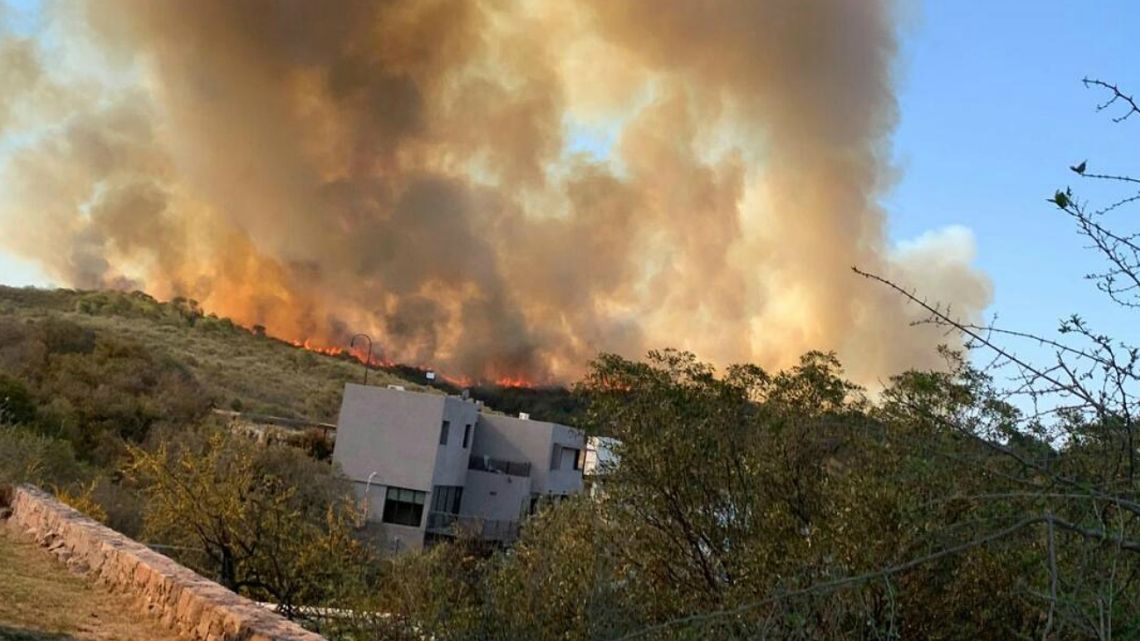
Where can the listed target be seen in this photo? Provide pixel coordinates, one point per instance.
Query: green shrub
(16, 404)
(27, 457)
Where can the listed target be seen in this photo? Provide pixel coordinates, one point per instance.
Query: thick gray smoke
(496, 189)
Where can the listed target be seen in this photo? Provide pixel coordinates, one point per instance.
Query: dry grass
(41, 601)
(264, 375)
(237, 368)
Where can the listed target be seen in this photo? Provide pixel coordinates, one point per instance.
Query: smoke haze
(492, 188)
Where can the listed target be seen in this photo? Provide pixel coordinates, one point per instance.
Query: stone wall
(194, 606)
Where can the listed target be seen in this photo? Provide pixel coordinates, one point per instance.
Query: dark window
(466, 435)
(443, 432)
(566, 458)
(404, 507)
(580, 460)
(487, 464)
(446, 498)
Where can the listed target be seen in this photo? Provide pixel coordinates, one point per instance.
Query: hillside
(236, 367)
(232, 367)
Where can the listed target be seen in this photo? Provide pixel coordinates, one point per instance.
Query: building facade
(426, 466)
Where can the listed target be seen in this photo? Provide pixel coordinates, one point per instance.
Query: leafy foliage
(265, 521)
(754, 505)
(93, 390)
(549, 403)
(28, 457)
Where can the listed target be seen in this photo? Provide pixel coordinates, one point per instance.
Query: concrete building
(426, 466)
(599, 460)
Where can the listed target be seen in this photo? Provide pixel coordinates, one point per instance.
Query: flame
(360, 355)
(514, 381)
(457, 381)
(308, 345)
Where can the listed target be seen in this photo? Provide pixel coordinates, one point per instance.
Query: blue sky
(992, 112)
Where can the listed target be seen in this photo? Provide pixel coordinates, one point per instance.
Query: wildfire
(327, 351)
(513, 381)
(359, 354)
(457, 381)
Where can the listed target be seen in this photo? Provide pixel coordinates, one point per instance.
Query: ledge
(182, 600)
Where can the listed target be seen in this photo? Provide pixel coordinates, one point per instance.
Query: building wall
(566, 479)
(495, 496)
(515, 439)
(451, 459)
(600, 459)
(391, 432)
(370, 498)
(600, 454)
(392, 537)
(395, 434)
(402, 538)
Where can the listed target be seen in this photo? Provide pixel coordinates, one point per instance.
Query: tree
(1074, 455)
(262, 520)
(752, 505)
(561, 580)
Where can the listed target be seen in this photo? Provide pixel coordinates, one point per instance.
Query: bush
(27, 457)
(16, 405)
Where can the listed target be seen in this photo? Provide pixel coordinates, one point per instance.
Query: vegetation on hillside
(235, 367)
(232, 367)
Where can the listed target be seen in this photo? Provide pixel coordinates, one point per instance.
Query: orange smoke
(499, 189)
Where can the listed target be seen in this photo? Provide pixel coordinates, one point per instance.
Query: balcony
(488, 464)
(484, 529)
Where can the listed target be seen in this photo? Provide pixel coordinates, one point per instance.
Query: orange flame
(327, 351)
(457, 381)
(359, 353)
(513, 381)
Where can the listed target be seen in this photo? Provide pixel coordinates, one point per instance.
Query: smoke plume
(492, 188)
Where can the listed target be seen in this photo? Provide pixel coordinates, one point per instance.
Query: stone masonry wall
(195, 607)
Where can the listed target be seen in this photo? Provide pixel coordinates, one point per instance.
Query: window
(443, 432)
(446, 498)
(556, 457)
(569, 458)
(404, 507)
(466, 435)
